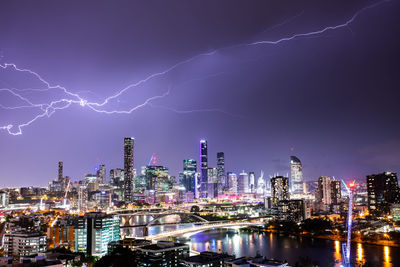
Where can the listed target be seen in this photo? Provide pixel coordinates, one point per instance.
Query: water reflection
(326, 252)
(386, 253)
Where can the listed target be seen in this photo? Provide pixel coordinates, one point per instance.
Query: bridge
(167, 217)
(197, 228)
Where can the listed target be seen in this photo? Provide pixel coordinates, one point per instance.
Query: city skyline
(261, 83)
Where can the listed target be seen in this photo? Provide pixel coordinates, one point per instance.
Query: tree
(119, 257)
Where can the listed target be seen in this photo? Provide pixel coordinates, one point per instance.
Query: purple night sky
(332, 96)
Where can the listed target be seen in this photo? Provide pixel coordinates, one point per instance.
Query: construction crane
(346, 246)
(153, 160)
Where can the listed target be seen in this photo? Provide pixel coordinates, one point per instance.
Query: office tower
(94, 231)
(117, 177)
(383, 190)
(252, 182)
(23, 244)
(243, 183)
(336, 192)
(101, 174)
(279, 189)
(164, 253)
(296, 178)
(204, 167)
(60, 171)
(128, 169)
(189, 174)
(233, 183)
(221, 172)
(157, 180)
(261, 184)
(212, 187)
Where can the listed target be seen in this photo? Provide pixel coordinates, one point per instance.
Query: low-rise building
(163, 253)
(207, 258)
(22, 244)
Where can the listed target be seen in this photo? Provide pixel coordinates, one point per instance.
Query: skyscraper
(221, 172)
(296, 178)
(233, 183)
(383, 190)
(101, 174)
(324, 192)
(128, 169)
(204, 167)
(189, 174)
(60, 171)
(243, 183)
(252, 182)
(279, 189)
(212, 187)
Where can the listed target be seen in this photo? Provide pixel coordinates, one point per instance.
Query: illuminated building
(204, 167)
(336, 192)
(101, 174)
(222, 181)
(212, 187)
(22, 244)
(296, 177)
(157, 180)
(128, 169)
(243, 183)
(94, 231)
(117, 177)
(61, 234)
(252, 182)
(383, 190)
(4, 199)
(189, 174)
(328, 192)
(279, 189)
(233, 183)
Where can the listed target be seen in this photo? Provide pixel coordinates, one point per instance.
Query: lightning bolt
(48, 109)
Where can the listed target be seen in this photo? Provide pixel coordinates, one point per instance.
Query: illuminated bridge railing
(199, 228)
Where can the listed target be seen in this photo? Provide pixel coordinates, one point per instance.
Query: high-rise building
(128, 169)
(296, 177)
(157, 180)
(336, 192)
(243, 183)
(328, 192)
(189, 174)
(222, 184)
(94, 231)
(233, 183)
(279, 189)
(324, 191)
(383, 190)
(60, 171)
(204, 167)
(212, 187)
(101, 174)
(117, 177)
(252, 182)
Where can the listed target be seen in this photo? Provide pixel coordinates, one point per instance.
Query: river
(271, 245)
